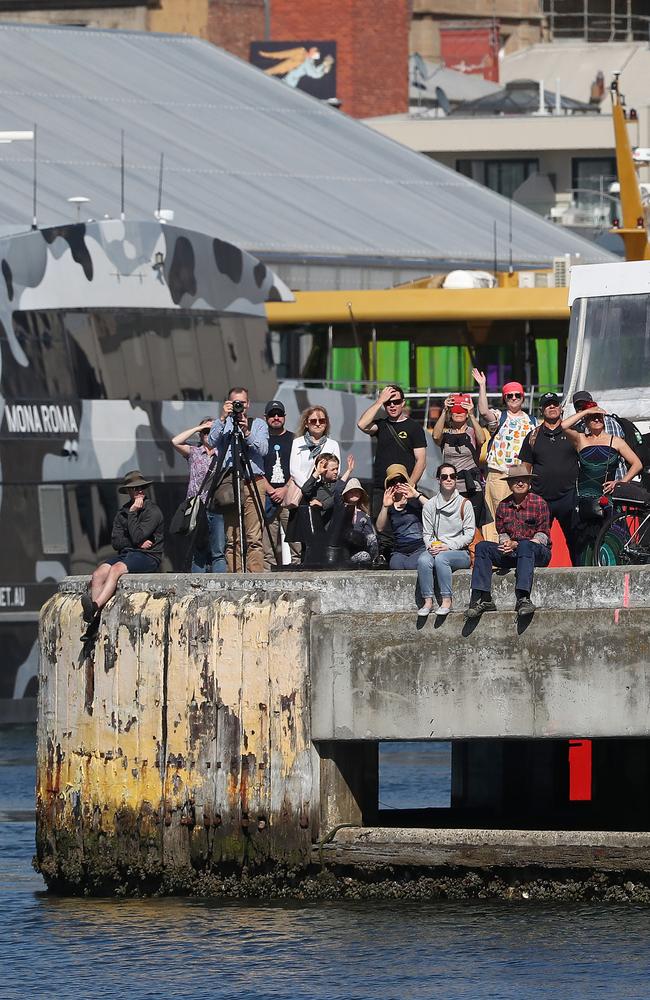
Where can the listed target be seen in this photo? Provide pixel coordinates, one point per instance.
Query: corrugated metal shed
(319, 195)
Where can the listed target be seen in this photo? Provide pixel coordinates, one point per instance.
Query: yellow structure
(633, 230)
(405, 305)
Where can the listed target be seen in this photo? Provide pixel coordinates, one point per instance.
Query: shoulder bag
(293, 496)
(190, 515)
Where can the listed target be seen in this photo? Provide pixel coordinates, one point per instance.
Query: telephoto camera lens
(238, 406)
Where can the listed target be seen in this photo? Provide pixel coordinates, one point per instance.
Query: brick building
(371, 39)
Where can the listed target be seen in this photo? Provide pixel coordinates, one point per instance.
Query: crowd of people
(505, 476)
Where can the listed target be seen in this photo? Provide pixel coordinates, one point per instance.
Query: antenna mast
(160, 184)
(122, 178)
(34, 182)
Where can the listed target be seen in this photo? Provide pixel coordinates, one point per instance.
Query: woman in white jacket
(448, 525)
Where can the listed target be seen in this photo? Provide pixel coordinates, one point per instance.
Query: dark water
(77, 949)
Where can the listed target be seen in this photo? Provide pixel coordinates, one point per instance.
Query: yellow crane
(632, 229)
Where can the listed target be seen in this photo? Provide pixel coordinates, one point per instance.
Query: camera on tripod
(238, 406)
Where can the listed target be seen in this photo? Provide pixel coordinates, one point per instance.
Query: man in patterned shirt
(508, 427)
(524, 529)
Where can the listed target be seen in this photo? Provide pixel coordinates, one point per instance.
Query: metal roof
(521, 97)
(270, 169)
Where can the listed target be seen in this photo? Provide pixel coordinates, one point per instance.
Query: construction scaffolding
(598, 20)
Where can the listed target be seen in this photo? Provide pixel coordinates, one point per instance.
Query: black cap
(581, 397)
(549, 399)
(275, 406)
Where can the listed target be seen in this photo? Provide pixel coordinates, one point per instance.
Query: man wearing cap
(401, 440)
(549, 454)
(524, 529)
(137, 537)
(508, 428)
(276, 477)
(582, 401)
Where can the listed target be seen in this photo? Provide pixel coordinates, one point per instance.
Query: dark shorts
(135, 562)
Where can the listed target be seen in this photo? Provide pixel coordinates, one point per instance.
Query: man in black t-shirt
(276, 474)
(551, 456)
(400, 441)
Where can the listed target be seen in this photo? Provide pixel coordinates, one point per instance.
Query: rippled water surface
(69, 949)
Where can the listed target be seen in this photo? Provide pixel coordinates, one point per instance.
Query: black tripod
(241, 471)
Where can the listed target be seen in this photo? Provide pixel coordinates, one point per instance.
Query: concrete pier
(221, 724)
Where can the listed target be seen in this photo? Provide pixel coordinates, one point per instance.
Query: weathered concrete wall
(207, 728)
(180, 738)
(370, 592)
(569, 674)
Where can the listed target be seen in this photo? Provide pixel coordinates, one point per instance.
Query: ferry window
(300, 352)
(617, 341)
(128, 354)
(190, 379)
(54, 524)
(48, 374)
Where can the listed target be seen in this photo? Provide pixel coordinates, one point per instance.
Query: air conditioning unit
(561, 266)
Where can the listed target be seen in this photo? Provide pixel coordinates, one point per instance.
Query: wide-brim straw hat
(393, 471)
(354, 484)
(518, 472)
(132, 481)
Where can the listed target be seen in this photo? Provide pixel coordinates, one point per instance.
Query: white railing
(423, 396)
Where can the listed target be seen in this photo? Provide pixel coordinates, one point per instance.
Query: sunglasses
(397, 482)
(395, 402)
(316, 420)
(448, 475)
(276, 415)
(514, 395)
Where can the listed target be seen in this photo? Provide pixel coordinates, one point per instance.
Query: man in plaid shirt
(523, 524)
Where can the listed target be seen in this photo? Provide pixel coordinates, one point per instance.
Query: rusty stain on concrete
(177, 744)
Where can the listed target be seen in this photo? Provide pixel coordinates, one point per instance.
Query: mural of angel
(294, 64)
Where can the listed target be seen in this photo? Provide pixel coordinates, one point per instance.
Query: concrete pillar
(180, 739)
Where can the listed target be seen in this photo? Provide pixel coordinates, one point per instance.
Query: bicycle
(624, 539)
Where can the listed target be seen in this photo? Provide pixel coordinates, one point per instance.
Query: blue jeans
(444, 564)
(211, 558)
(523, 561)
(405, 560)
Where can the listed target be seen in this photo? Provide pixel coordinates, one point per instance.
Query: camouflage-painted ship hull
(114, 337)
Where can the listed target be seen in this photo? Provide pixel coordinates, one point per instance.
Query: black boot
(89, 608)
(480, 601)
(524, 605)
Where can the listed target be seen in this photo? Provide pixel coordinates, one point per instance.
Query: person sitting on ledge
(351, 530)
(137, 537)
(448, 527)
(523, 523)
(402, 511)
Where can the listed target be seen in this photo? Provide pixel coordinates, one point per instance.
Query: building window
(590, 176)
(503, 176)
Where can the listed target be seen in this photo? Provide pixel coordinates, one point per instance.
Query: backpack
(638, 442)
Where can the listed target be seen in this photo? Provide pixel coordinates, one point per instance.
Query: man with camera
(255, 442)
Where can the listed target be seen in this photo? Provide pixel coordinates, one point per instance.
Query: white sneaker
(441, 612)
(424, 611)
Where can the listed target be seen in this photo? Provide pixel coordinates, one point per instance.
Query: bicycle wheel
(622, 541)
